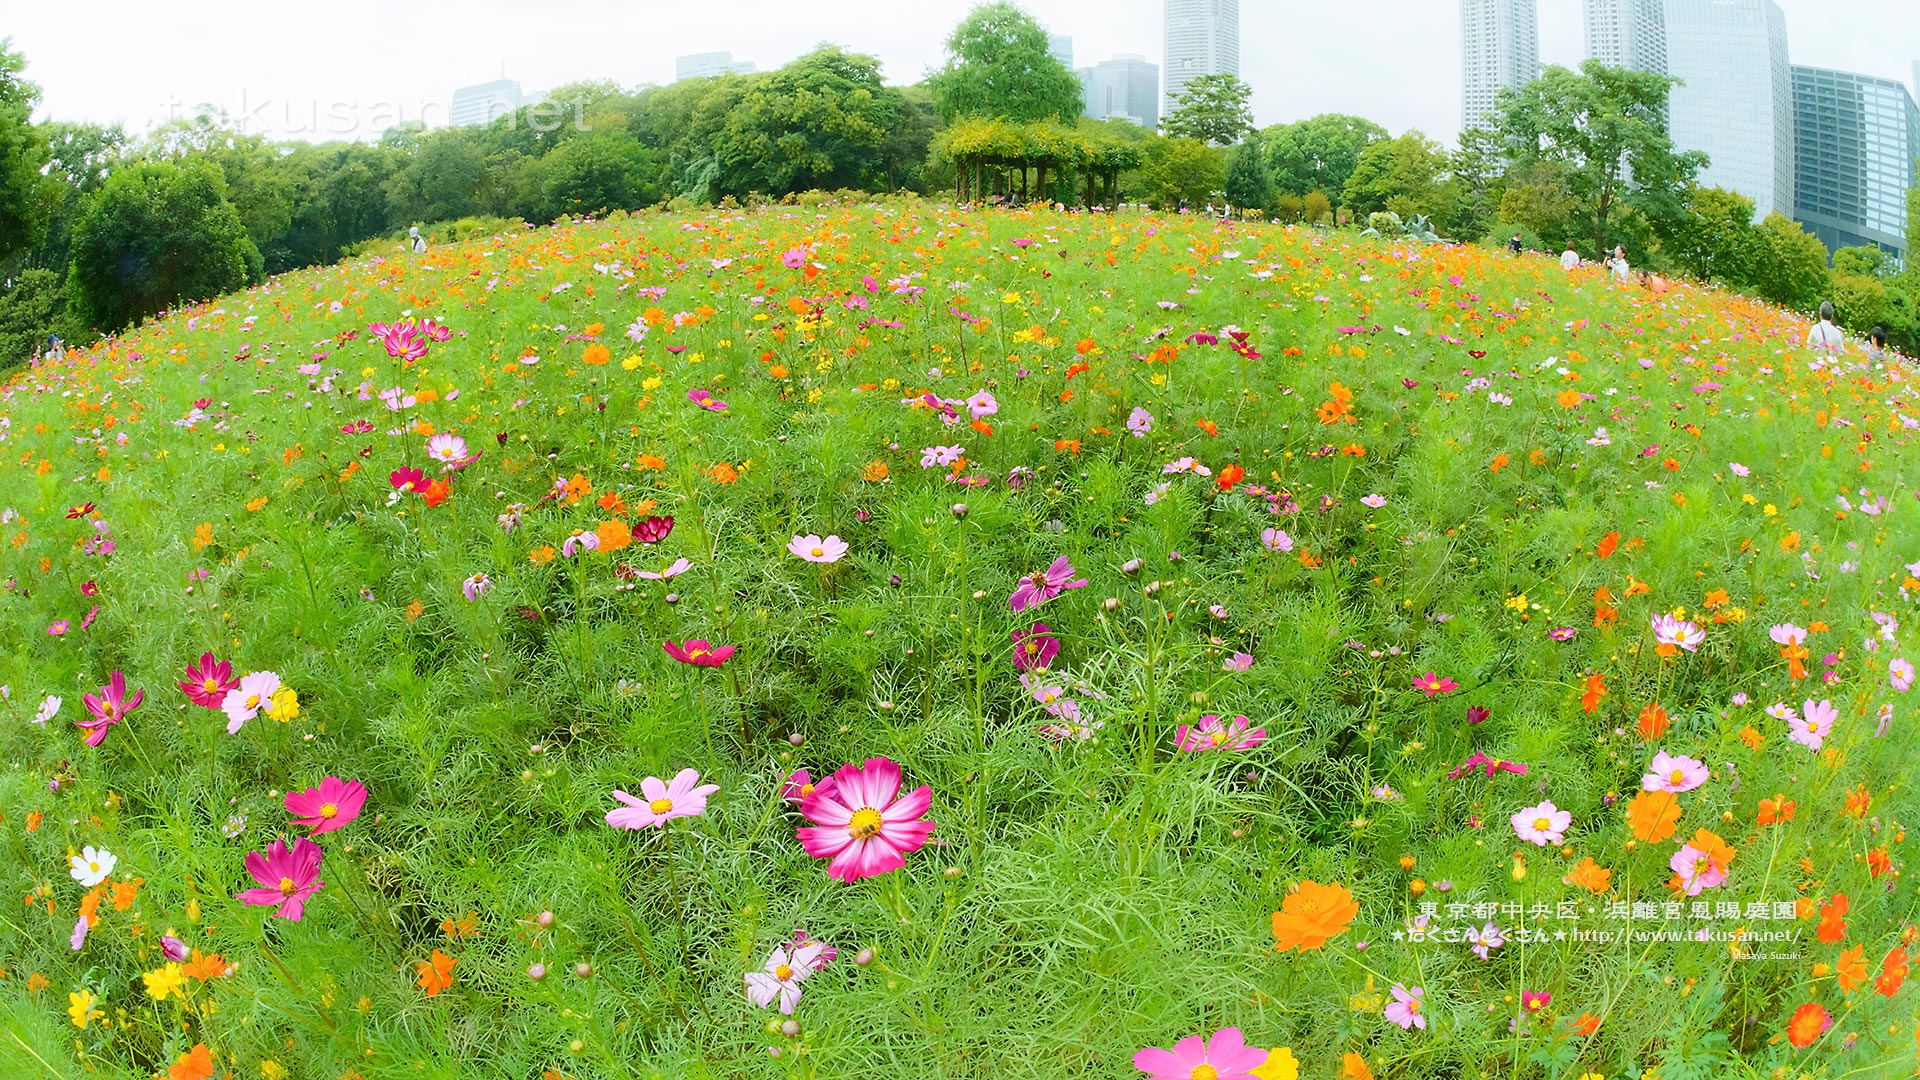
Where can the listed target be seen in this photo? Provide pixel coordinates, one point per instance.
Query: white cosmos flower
(92, 865)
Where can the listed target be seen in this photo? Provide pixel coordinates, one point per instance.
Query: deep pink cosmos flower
(1211, 734)
(661, 802)
(654, 529)
(1035, 648)
(208, 681)
(402, 339)
(287, 877)
(108, 708)
(1225, 1056)
(698, 652)
(863, 823)
(1038, 588)
(1434, 684)
(408, 479)
(706, 401)
(1480, 760)
(1477, 714)
(327, 807)
(800, 784)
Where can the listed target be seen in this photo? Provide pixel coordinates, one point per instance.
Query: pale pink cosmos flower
(1407, 1007)
(1239, 661)
(1039, 587)
(1225, 1056)
(1816, 719)
(448, 449)
(1900, 674)
(1487, 939)
(863, 824)
(1211, 734)
(815, 549)
(1673, 774)
(982, 405)
(662, 802)
(1542, 825)
(1787, 634)
(680, 566)
(1276, 540)
(245, 701)
(1696, 869)
(1668, 630)
(781, 976)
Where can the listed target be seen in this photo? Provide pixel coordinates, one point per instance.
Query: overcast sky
(298, 69)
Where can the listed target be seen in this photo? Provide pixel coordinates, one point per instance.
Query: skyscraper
(1628, 33)
(1203, 38)
(707, 65)
(1735, 100)
(484, 103)
(1060, 47)
(1855, 140)
(1500, 47)
(1126, 87)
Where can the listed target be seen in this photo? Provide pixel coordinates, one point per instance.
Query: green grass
(1080, 900)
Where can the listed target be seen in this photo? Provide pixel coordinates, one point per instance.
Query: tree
(1211, 108)
(1178, 171)
(1535, 198)
(23, 149)
(1868, 261)
(439, 180)
(156, 233)
(818, 122)
(1859, 301)
(1714, 239)
(1248, 185)
(1606, 127)
(1405, 176)
(1318, 154)
(999, 65)
(595, 174)
(31, 307)
(1792, 265)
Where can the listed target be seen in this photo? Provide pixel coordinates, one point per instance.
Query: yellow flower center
(329, 810)
(287, 886)
(1038, 578)
(782, 972)
(865, 823)
(695, 654)
(1218, 737)
(1542, 824)
(819, 553)
(1413, 1005)
(1032, 646)
(660, 806)
(94, 866)
(210, 684)
(806, 790)
(1678, 776)
(1204, 1072)
(253, 701)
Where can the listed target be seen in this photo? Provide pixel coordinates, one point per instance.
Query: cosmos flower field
(882, 641)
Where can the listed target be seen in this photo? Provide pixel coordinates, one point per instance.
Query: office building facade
(1126, 87)
(1855, 140)
(1735, 100)
(708, 65)
(1203, 38)
(486, 102)
(1628, 34)
(1500, 48)
(1060, 47)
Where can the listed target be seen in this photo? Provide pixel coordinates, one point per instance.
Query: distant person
(56, 349)
(1621, 271)
(1570, 259)
(1514, 245)
(1877, 343)
(415, 242)
(1825, 336)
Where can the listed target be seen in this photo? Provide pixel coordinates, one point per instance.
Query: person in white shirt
(1619, 263)
(1569, 259)
(1825, 336)
(415, 242)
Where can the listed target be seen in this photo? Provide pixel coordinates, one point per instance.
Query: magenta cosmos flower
(1039, 587)
(1673, 774)
(287, 877)
(1225, 1056)
(863, 823)
(706, 401)
(108, 708)
(699, 653)
(662, 802)
(814, 549)
(208, 681)
(327, 807)
(1035, 648)
(1407, 1008)
(654, 529)
(407, 479)
(1434, 684)
(800, 784)
(1211, 734)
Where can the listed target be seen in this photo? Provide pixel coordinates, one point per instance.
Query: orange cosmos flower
(435, 974)
(1312, 914)
(1230, 476)
(1500, 461)
(1716, 599)
(1596, 689)
(195, 1064)
(1751, 737)
(1071, 446)
(1568, 398)
(875, 472)
(1608, 544)
(1354, 1067)
(1775, 810)
(1590, 876)
(1879, 862)
(1832, 928)
(437, 491)
(1858, 801)
(651, 462)
(1652, 815)
(1653, 722)
(1208, 426)
(1893, 972)
(541, 555)
(1808, 1022)
(1850, 968)
(613, 535)
(205, 966)
(723, 474)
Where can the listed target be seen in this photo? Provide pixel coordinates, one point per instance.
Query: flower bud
(796, 739)
(863, 958)
(790, 1028)
(582, 970)
(536, 972)
(545, 919)
(1131, 566)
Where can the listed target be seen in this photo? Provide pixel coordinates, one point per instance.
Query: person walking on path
(1825, 336)
(1570, 259)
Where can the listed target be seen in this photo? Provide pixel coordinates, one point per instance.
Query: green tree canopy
(1714, 239)
(1606, 130)
(817, 122)
(1406, 176)
(597, 173)
(1317, 154)
(156, 233)
(998, 65)
(1867, 261)
(1211, 108)
(1182, 170)
(1248, 185)
(23, 150)
(1792, 266)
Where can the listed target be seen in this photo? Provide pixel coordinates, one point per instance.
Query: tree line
(100, 228)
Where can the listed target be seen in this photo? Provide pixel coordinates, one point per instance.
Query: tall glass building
(1126, 87)
(1203, 38)
(1628, 34)
(1500, 47)
(1735, 98)
(1855, 140)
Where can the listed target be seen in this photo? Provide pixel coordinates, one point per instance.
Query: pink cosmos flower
(1900, 674)
(814, 549)
(1225, 1056)
(1239, 661)
(288, 877)
(800, 784)
(1668, 630)
(1534, 1000)
(982, 405)
(1276, 540)
(863, 823)
(57, 627)
(1542, 825)
(706, 401)
(1039, 587)
(1211, 734)
(1480, 760)
(78, 938)
(1673, 774)
(1787, 634)
(802, 939)
(1810, 728)
(408, 479)
(245, 701)
(698, 652)
(1406, 1008)
(449, 450)
(1434, 684)
(1487, 939)
(680, 566)
(1035, 648)
(208, 681)
(780, 978)
(662, 802)
(654, 529)
(328, 807)
(402, 339)
(108, 708)
(1697, 870)
(476, 586)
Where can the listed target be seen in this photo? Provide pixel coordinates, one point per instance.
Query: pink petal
(824, 843)
(914, 804)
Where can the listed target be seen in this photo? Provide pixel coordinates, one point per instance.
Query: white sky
(284, 67)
